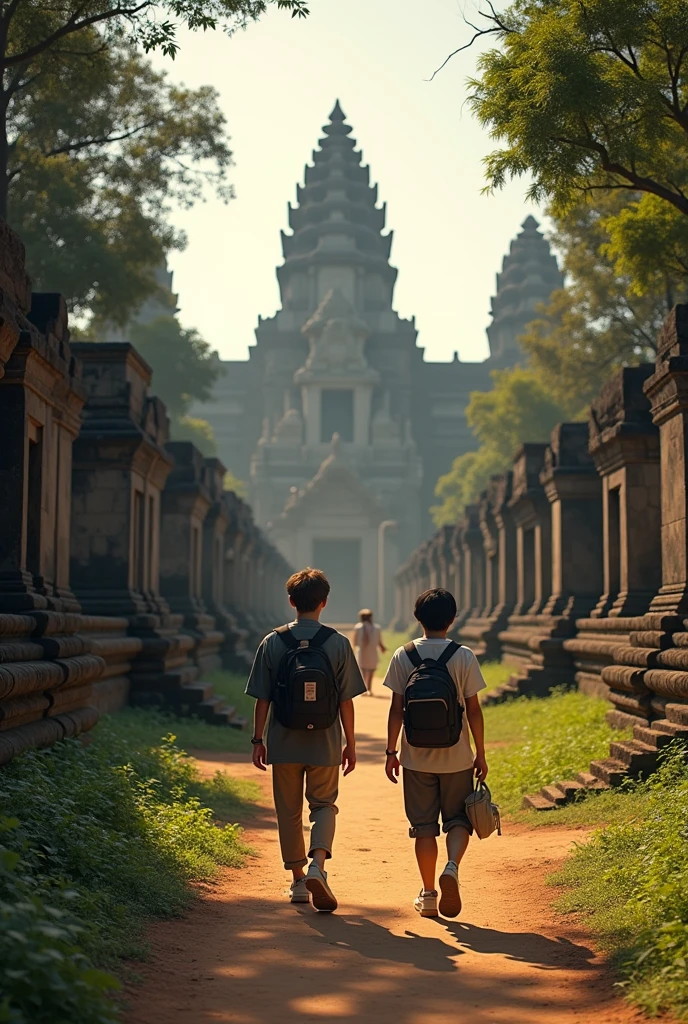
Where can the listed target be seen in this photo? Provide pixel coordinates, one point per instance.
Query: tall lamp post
(385, 525)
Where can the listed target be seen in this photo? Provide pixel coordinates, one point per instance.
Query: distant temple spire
(336, 223)
(529, 275)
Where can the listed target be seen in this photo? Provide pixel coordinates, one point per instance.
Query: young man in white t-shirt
(437, 779)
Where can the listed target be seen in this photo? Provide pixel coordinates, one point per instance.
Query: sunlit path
(244, 955)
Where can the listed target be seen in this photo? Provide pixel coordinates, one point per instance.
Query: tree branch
(639, 181)
(77, 145)
(72, 26)
(498, 26)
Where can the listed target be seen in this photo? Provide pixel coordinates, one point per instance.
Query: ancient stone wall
(573, 567)
(117, 546)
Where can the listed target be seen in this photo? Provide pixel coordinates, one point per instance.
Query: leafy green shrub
(106, 837)
(631, 880)
(44, 976)
(546, 739)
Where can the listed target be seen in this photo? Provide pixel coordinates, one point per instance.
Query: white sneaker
(426, 903)
(316, 883)
(298, 893)
(450, 901)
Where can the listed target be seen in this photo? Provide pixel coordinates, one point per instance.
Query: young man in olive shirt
(296, 754)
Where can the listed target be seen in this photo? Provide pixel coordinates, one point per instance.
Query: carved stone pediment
(336, 336)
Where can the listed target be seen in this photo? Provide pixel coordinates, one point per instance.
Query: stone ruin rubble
(573, 565)
(126, 571)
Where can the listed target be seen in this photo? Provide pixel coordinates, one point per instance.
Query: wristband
(255, 741)
(391, 753)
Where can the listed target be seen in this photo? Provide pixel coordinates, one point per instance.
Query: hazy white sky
(278, 82)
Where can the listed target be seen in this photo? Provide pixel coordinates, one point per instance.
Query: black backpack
(306, 694)
(433, 716)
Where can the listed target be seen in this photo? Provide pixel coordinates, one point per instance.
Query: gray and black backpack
(433, 715)
(306, 694)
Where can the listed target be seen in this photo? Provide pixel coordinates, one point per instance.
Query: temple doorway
(340, 560)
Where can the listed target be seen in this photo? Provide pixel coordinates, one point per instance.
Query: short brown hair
(308, 589)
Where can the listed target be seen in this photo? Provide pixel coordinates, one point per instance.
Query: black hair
(435, 609)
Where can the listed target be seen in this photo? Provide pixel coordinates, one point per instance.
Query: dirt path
(244, 955)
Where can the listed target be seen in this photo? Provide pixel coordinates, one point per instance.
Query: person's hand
(392, 767)
(383, 648)
(480, 767)
(259, 756)
(348, 758)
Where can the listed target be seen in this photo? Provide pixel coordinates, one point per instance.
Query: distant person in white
(367, 643)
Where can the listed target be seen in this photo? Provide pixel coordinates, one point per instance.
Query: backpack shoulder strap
(287, 637)
(323, 634)
(449, 652)
(411, 652)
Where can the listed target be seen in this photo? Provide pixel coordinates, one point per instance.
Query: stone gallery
(337, 361)
(573, 566)
(126, 572)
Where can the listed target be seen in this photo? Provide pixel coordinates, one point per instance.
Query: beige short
(429, 794)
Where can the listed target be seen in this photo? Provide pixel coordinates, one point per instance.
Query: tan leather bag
(482, 813)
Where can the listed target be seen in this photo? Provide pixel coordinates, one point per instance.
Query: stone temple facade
(337, 361)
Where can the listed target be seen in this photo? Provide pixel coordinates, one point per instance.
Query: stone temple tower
(529, 275)
(336, 420)
(337, 364)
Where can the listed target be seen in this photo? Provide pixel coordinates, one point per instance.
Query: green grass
(630, 882)
(495, 673)
(95, 841)
(392, 642)
(533, 742)
(143, 726)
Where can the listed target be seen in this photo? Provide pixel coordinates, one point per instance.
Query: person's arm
(474, 714)
(394, 724)
(260, 714)
(346, 713)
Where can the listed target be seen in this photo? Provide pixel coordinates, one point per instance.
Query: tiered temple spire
(336, 221)
(529, 275)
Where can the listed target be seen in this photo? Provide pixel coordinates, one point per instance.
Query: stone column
(473, 560)
(48, 667)
(506, 538)
(667, 390)
(488, 528)
(481, 632)
(574, 491)
(184, 506)
(119, 471)
(624, 444)
(530, 513)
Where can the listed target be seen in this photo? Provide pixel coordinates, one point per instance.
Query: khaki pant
(322, 786)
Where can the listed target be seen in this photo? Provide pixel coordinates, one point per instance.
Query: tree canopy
(589, 329)
(591, 96)
(100, 146)
(35, 37)
(517, 409)
(184, 366)
(595, 324)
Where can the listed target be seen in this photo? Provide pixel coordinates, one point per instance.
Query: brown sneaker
(322, 895)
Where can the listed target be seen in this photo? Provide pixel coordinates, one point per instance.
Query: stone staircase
(628, 759)
(199, 699)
